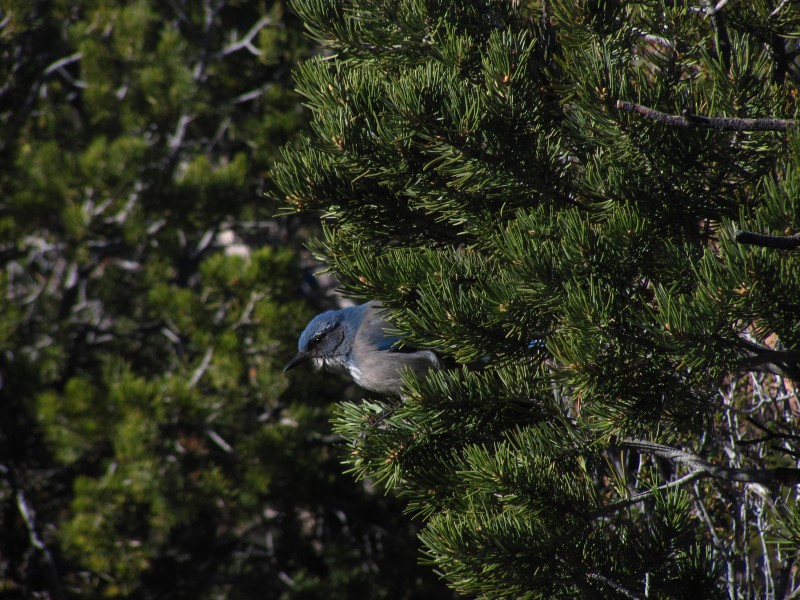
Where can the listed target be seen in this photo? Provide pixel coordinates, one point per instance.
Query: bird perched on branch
(357, 340)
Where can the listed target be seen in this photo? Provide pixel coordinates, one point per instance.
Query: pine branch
(719, 123)
(779, 476)
(780, 242)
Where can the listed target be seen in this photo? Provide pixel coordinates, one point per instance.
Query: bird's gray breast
(381, 371)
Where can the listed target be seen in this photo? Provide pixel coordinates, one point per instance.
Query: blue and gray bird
(358, 341)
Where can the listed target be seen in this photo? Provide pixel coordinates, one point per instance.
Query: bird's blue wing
(376, 331)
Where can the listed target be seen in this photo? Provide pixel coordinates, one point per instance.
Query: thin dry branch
(29, 518)
(246, 42)
(784, 476)
(641, 497)
(719, 123)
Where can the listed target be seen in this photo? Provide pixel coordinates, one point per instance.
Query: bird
(358, 340)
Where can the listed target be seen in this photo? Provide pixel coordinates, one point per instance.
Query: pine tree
(593, 207)
(149, 445)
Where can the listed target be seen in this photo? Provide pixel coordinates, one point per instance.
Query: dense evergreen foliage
(149, 445)
(621, 181)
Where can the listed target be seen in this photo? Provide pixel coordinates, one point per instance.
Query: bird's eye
(315, 340)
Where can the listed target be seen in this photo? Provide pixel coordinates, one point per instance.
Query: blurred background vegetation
(150, 447)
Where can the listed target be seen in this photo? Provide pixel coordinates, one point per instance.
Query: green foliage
(150, 446)
(580, 262)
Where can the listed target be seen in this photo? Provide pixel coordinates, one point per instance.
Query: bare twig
(722, 40)
(720, 5)
(654, 39)
(63, 62)
(613, 585)
(719, 123)
(252, 94)
(58, 66)
(219, 441)
(244, 319)
(223, 127)
(691, 476)
(176, 139)
(203, 243)
(29, 517)
(201, 369)
(778, 8)
(762, 526)
(247, 40)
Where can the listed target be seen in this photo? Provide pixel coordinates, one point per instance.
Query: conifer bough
(576, 172)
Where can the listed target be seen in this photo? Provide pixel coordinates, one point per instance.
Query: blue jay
(356, 340)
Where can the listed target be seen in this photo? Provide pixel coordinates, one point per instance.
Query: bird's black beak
(300, 358)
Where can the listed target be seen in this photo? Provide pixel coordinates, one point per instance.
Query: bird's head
(323, 342)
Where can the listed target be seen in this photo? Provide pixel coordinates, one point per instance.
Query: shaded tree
(597, 202)
(150, 446)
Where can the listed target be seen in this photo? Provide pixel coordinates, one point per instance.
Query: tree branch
(781, 242)
(29, 518)
(785, 363)
(719, 123)
(718, 7)
(63, 62)
(722, 40)
(654, 39)
(201, 369)
(635, 499)
(613, 585)
(247, 40)
(784, 476)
